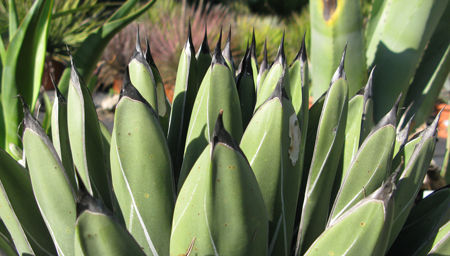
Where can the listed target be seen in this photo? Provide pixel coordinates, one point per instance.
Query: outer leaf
(23, 66)
(217, 92)
(60, 135)
(431, 73)
(86, 139)
(370, 166)
(142, 172)
(441, 244)
(48, 179)
(203, 56)
(28, 223)
(90, 51)
(397, 49)
(220, 204)
(186, 87)
(98, 232)
(272, 143)
(6, 247)
(412, 177)
(263, 69)
(329, 142)
(363, 229)
(142, 76)
(423, 224)
(246, 89)
(333, 25)
(273, 76)
(228, 55)
(13, 18)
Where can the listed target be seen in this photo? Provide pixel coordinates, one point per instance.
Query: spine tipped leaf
(228, 55)
(327, 151)
(272, 144)
(20, 212)
(164, 106)
(98, 232)
(60, 135)
(363, 229)
(146, 78)
(263, 69)
(217, 91)
(203, 55)
(254, 60)
(334, 24)
(298, 92)
(412, 177)
(246, 89)
(186, 87)
(367, 121)
(369, 167)
(423, 224)
(53, 191)
(220, 208)
(141, 171)
(86, 139)
(273, 76)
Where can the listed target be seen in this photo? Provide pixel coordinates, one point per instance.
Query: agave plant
(236, 165)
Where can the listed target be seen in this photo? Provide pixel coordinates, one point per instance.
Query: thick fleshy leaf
(220, 206)
(203, 55)
(22, 216)
(51, 185)
(272, 144)
(60, 135)
(23, 67)
(217, 92)
(228, 55)
(277, 70)
(335, 24)
(246, 89)
(98, 232)
(329, 143)
(186, 87)
(263, 69)
(142, 172)
(369, 167)
(363, 230)
(86, 140)
(412, 177)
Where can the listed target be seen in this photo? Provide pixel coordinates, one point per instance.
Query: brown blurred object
(54, 68)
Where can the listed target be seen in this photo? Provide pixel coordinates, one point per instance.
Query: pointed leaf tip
(221, 135)
(368, 91)
(253, 46)
(138, 41)
(281, 57)
(189, 44)
(205, 47)
(340, 71)
(58, 93)
(85, 201)
(301, 54)
(217, 55)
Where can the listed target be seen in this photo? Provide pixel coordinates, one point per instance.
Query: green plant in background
(23, 59)
(210, 178)
(237, 165)
(396, 36)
